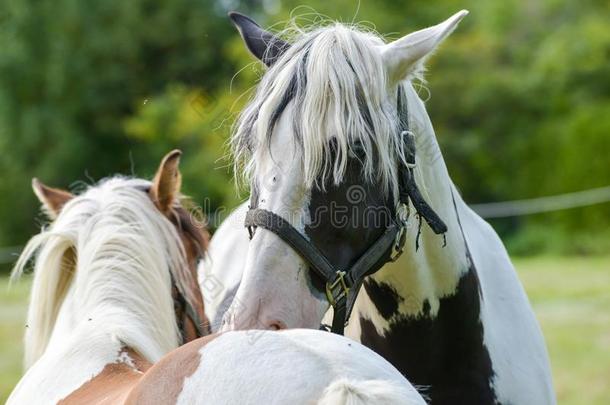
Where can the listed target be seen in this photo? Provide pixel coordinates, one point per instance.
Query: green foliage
(71, 75)
(519, 97)
(552, 238)
(530, 116)
(198, 123)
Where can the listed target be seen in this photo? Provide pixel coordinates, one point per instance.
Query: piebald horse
(115, 293)
(331, 137)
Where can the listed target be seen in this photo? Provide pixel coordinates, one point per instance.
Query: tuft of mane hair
(360, 392)
(336, 82)
(108, 257)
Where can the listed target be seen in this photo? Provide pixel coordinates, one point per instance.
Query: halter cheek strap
(408, 189)
(181, 303)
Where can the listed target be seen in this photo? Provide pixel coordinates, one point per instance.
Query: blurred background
(519, 96)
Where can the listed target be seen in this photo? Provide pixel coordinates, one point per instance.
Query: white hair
(111, 251)
(342, 102)
(361, 392)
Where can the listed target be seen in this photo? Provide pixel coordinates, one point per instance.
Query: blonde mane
(112, 253)
(342, 101)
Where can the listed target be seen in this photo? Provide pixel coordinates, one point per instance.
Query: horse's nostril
(276, 325)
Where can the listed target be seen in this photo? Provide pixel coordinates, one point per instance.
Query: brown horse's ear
(52, 199)
(167, 181)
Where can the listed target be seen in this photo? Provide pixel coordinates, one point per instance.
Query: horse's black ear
(264, 45)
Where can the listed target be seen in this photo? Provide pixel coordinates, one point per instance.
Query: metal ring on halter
(399, 244)
(410, 161)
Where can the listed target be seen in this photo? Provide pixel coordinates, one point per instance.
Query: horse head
(325, 145)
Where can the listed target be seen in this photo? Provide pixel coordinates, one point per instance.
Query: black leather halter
(343, 285)
(183, 305)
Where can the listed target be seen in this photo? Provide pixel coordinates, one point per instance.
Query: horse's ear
(264, 45)
(52, 199)
(406, 55)
(167, 181)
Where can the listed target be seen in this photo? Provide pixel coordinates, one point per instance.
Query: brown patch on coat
(112, 385)
(146, 384)
(164, 382)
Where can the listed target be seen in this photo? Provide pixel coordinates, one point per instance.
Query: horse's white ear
(167, 181)
(52, 199)
(407, 54)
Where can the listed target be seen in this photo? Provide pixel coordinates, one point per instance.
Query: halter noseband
(343, 285)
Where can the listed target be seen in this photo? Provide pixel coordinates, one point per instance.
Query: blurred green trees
(519, 95)
(74, 80)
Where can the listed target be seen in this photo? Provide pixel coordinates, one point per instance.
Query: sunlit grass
(13, 305)
(571, 297)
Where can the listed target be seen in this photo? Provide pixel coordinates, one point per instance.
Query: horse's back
(112, 386)
(295, 366)
(512, 333)
(163, 382)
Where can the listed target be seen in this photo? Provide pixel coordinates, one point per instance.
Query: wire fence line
(502, 209)
(543, 204)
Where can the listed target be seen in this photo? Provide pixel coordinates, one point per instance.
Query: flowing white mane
(339, 89)
(111, 252)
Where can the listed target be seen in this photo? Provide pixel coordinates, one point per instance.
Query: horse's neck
(75, 354)
(85, 341)
(422, 275)
(110, 305)
(79, 371)
(423, 312)
(79, 324)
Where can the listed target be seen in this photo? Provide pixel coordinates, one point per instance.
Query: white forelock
(111, 251)
(336, 79)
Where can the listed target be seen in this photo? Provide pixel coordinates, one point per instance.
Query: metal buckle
(330, 287)
(399, 243)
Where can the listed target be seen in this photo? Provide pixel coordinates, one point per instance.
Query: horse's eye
(357, 151)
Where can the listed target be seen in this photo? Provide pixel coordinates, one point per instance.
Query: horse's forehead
(282, 142)
(278, 169)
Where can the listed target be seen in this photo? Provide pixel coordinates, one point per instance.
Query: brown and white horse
(115, 292)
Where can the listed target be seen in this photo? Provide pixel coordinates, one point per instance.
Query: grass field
(571, 297)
